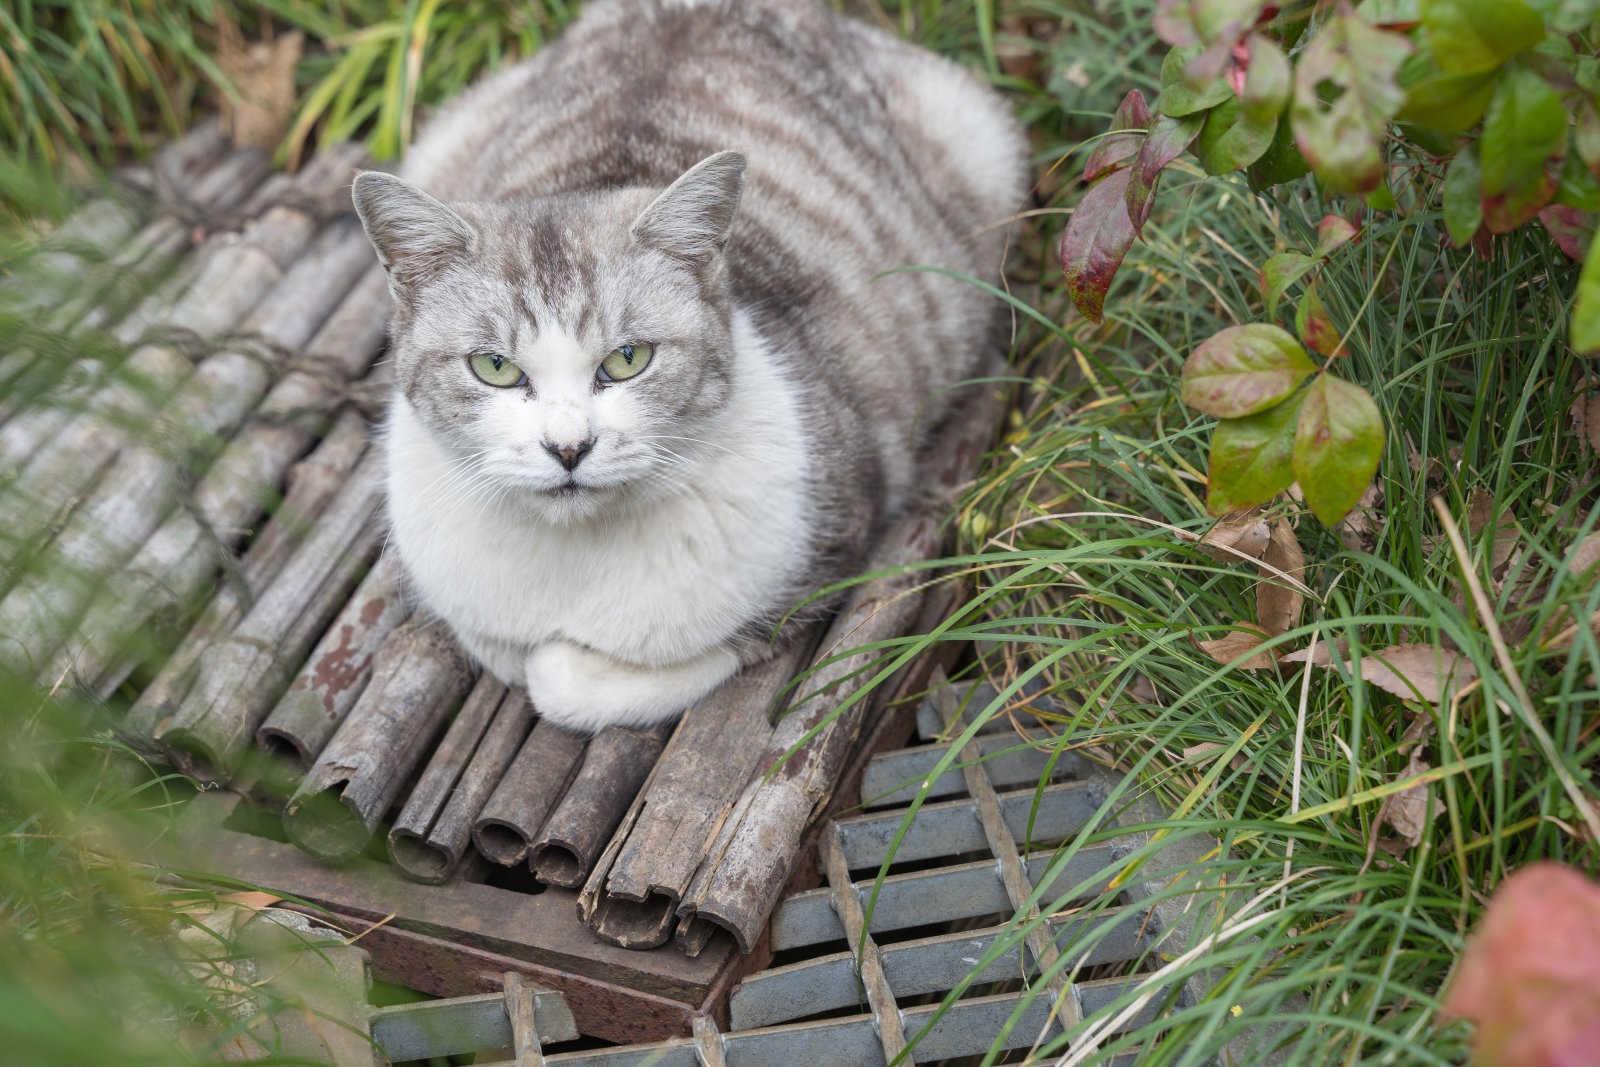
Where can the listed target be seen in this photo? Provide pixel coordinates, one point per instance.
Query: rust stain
(339, 668)
(372, 610)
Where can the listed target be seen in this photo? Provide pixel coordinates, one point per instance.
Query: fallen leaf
(1278, 602)
(1237, 536)
(1359, 529)
(1583, 556)
(1529, 977)
(1481, 512)
(1205, 748)
(1412, 672)
(1241, 641)
(261, 76)
(1407, 810)
(1586, 419)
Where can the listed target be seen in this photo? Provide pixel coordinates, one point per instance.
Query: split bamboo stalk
(234, 279)
(144, 482)
(239, 678)
(419, 681)
(126, 305)
(338, 670)
(312, 484)
(738, 885)
(107, 221)
(615, 763)
(173, 565)
(632, 896)
(434, 852)
(511, 818)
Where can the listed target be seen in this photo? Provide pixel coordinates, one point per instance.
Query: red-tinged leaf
(1095, 242)
(1266, 83)
(1337, 444)
(1529, 978)
(1244, 640)
(1315, 328)
(1133, 113)
(1333, 233)
(1463, 199)
(1250, 459)
(1571, 229)
(1586, 306)
(1514, 208)
(1279, 272)
(1467, 36)
(1174, 23)
(1169, 138)
(1340, 131)
(1121, 143)
(1244, 369)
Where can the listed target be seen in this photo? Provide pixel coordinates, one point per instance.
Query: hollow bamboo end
(324, 826)
(279, 744)
(698, 929)
(635, 924)
(500, 842)
(192, 755)
(558, 863)
(420, 860)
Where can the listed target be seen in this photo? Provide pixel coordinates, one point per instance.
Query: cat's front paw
(561, 679)
(584, 690)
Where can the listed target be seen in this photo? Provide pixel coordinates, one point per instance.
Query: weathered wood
(447, 765)
(525, 1045)
(119, 415)
(511, 818)
(144, 481)
(434, 856)
(632, 896)
(312, 484)
(742, 878)
(419, 680)
(173, 565)
(339, 668)
(240, 678)
(615, 763)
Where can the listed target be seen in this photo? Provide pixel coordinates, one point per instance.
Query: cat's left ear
(691, 219)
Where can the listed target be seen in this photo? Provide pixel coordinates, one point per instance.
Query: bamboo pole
(127, 505)
(231, 283)
(239, 678)
(435, 855)
(338, 669)
(474, 753)
(615, 763)
(511, 818)
(172, 567)
(739, 884)
(632, 895)
(420, 679)
(313, 484)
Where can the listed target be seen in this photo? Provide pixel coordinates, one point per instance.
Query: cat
(658, 375)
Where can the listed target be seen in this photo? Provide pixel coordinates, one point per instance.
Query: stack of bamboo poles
(219, 485)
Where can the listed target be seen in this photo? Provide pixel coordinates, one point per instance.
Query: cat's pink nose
(569, 456)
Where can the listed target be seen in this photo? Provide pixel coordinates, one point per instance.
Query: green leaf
(1266, 82)
(1282, 161)
(1525, 126)
(1229, 141)
(1095, 242)
(1586, 136)
(1251, 458)
(1345, 92)
(1401, 13)
(1579, 187)
(1178, 98)
(1568, 16)
(1586, 308)
(1338, 441)
(1244, 369)
(1466, 36)
(1280, 271)
(1333, 233)
(1463, 202)
(1315, 328)
(1436, 100)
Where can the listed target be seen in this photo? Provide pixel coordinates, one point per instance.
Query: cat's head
(566, 351)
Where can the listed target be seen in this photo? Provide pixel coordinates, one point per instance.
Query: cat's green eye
(495, 369)
(625, 361)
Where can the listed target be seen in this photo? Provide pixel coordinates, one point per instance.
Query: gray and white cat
(658, 377)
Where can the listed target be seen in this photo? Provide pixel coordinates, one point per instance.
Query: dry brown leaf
(1237, 536)
(258, 111)
(1359, 529)
(1278, 603)
(1244, 638)
(1582, 558)
(1407, 810)
(1205, 748)
(1413, 672)
(1585, 417)
(1480, 513)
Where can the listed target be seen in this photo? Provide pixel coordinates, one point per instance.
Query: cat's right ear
(415, 235)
